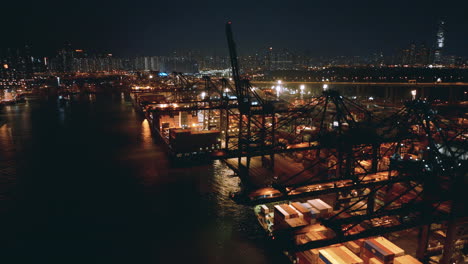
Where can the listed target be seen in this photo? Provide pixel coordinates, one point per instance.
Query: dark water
(86, 183)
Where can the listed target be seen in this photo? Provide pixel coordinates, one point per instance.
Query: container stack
(394, 193)
(375, 261)
(406, 259)
(314, 232)
(323, 208)
(311, 256)
(355, 246)
(309, 212)
(392, 247)
(286, 216)
(264, 209)
(338, 255)
(380, 250)
(376, 250)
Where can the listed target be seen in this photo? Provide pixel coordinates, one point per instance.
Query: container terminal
(331, 178)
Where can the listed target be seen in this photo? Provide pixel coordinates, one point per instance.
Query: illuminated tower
(440, 42)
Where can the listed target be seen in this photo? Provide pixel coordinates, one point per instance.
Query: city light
(302, 87)
(339, 169)
(278, 90)
(413, 93)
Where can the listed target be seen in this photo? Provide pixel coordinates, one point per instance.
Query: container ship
(185, 132)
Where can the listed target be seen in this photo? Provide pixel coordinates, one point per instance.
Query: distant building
(65, 58)
(440, 43)
(415, 55)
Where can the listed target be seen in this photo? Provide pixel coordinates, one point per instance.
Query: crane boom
(241, 89)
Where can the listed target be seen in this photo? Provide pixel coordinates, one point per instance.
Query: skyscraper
(440, 42)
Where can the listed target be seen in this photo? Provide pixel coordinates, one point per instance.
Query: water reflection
(100, 179)
(7, 167)
(146, 136)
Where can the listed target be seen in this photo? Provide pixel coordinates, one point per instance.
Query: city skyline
(157, 28)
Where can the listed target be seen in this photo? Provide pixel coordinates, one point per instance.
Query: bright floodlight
(203, 94)
(325, 86)
(151, 76)
(279, 82)
(302, 87)
(413, 93)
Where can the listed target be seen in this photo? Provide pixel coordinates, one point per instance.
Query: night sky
(323, 28)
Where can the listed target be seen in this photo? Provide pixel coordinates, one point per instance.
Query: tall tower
(440, 42)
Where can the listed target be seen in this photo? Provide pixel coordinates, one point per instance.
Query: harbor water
(85, 182)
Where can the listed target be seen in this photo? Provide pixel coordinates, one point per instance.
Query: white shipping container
(283, 212)
(264, 209)
(300, 215)
(319, 206)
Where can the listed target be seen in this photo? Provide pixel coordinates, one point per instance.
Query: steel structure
(434, 182)
(430, 185)
(418, 155)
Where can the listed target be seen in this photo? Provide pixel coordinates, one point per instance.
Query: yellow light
(5, 66)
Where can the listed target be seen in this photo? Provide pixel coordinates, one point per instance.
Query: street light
(279, 82)
(278, 90)
(203, 94)
(302, 87)
(325, 87)
(151, 76)
(413, 93)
